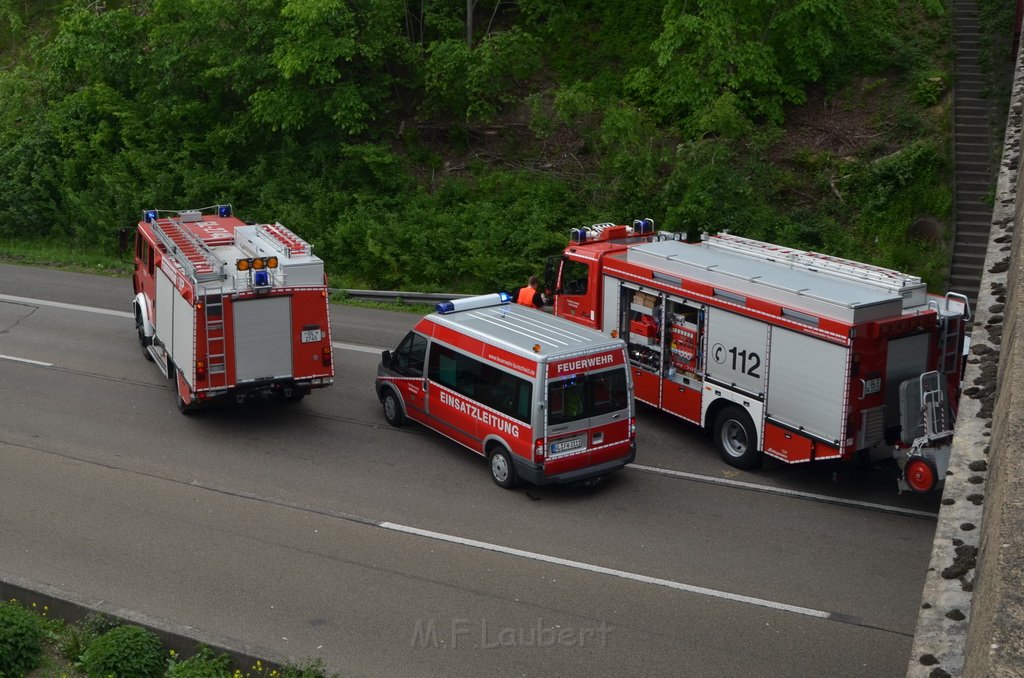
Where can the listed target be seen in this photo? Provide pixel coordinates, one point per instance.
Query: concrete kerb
(976, 538)
(184, 640)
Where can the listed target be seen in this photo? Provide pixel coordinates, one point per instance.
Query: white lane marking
(598, 569)
(356, 347)
(58, 304)
(782, 491)
(25, 360)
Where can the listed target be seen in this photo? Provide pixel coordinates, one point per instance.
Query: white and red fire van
(543, 399)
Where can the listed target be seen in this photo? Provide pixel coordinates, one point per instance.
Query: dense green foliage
(21, 640)
(419, 148)
(125, 652)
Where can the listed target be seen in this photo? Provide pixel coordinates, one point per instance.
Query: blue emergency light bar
(470, 303)
(149, 216)
(643, 226)
(261, 278)
(224, 210)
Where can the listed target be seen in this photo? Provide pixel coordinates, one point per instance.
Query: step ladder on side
(216, 341)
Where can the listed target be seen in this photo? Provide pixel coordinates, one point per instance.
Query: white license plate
(309, 336)
(566, 445)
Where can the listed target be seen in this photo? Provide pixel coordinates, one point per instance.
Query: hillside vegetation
(450, 146)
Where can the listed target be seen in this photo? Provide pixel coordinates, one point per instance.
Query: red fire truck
(229, 309)
(777, 351)
(544, 400)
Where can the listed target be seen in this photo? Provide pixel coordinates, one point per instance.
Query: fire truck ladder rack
(933, 412)
(286, 242)
(188, 250)
(213, 319)
(877, 276)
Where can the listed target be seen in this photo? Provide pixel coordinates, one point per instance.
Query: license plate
(309, 336)
(566, 445)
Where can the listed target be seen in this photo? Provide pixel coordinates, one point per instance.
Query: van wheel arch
(393, 407)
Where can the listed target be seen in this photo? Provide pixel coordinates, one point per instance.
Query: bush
(76, 638)
(125, 652)
(21, 640)
(203, 664)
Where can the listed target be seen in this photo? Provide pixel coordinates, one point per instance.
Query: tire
(185, 408)
(502, 471)
(392, 408)
(920, 475)
(142, 339)
(735, 439)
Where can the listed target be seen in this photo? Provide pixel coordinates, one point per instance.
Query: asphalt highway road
(316, 530)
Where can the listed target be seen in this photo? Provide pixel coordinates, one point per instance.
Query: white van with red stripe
(543, 399)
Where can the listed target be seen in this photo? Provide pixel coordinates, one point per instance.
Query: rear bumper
(266, 389)
(534, 473)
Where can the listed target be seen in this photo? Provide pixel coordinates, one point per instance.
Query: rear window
(587, 395)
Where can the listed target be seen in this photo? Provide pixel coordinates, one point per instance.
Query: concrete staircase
(974, 159)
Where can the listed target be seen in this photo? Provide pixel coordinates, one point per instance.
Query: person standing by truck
(530, 295)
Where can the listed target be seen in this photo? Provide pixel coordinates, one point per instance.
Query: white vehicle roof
(526, 331)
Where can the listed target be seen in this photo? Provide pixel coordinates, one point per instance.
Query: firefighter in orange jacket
(530, 295)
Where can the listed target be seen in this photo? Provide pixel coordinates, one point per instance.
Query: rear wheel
(735, 439)
(502, 471)
(392, 408)
(185, 408)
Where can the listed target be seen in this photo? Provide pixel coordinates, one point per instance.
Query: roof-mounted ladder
(838, 267)
(187, 249)
(284, 240)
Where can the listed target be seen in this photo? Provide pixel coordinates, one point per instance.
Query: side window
(408, 358)
(505, 392)
(458, 372)
(574, 277)
(151, 258)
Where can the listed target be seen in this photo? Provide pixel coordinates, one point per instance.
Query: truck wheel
(142, 340)
(502, 470)
(185, 408)
(735, 439)
(392, 408)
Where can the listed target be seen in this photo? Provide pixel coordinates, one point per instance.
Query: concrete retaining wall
(972, 613)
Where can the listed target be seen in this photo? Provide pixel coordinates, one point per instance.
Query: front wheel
(392, 408)
(502, 471)
(143, 340)
(735, 439)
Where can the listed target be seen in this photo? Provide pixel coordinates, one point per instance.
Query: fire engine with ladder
(230, 310)
(793, 354)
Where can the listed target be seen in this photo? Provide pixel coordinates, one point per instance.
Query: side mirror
(385, 359)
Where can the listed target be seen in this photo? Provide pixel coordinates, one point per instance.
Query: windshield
(587, 395)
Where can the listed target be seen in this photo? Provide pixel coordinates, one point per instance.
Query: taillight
(632, 427)
(326, 356)
(200, 369)
(538, 450)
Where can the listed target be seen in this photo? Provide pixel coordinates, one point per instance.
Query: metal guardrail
(393, 296)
